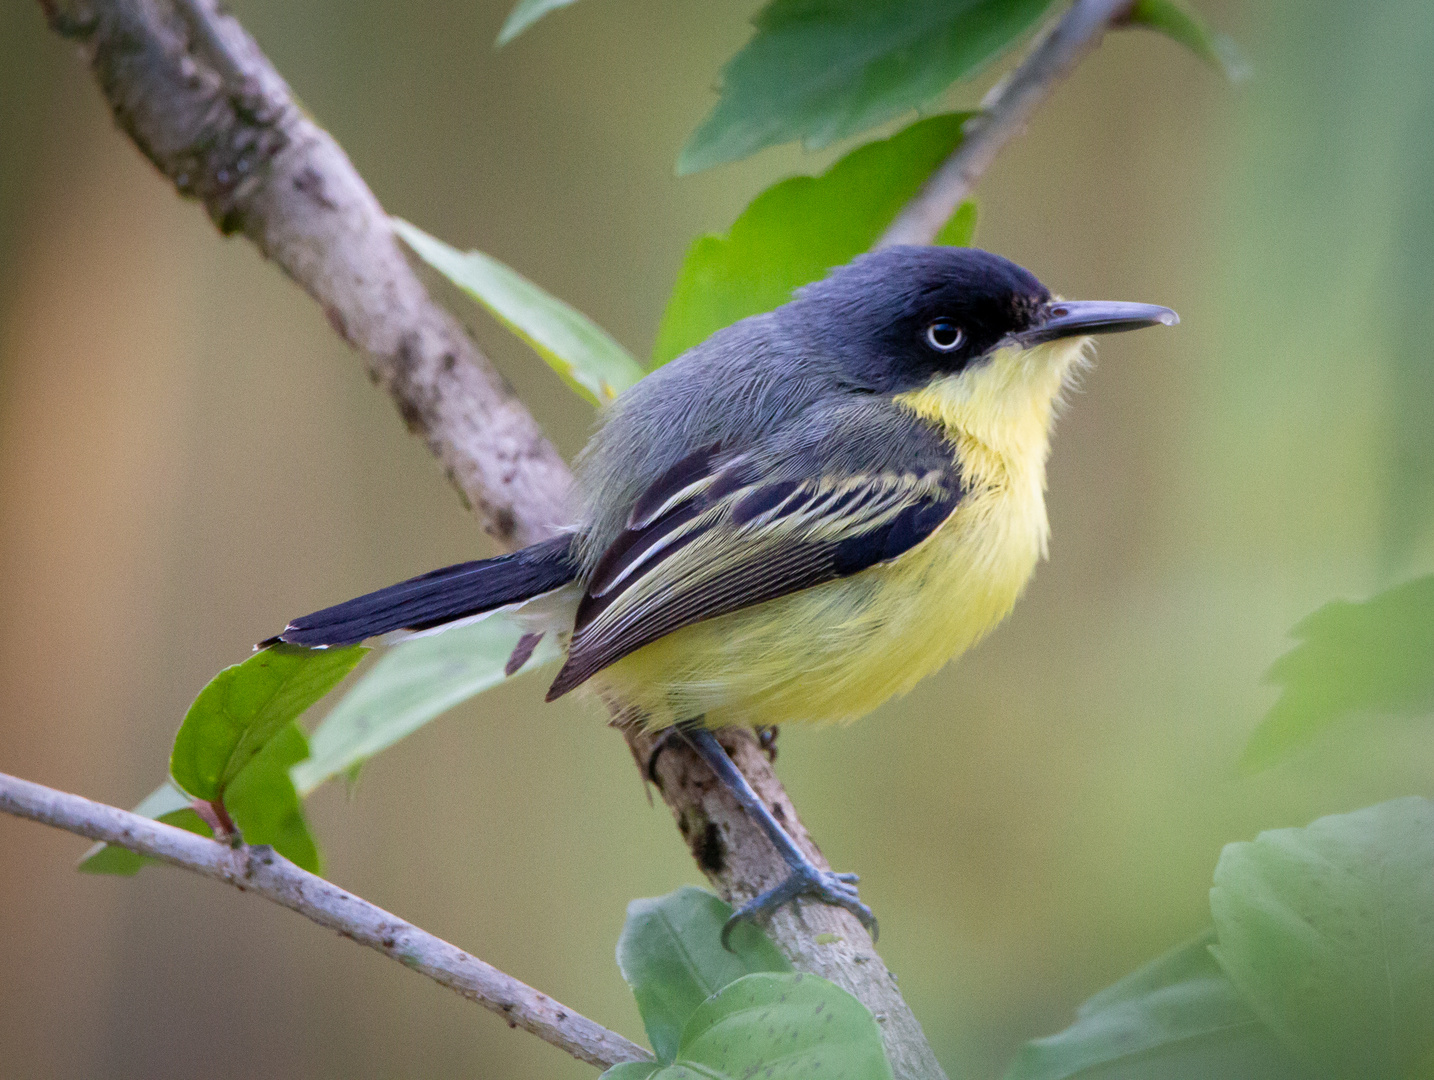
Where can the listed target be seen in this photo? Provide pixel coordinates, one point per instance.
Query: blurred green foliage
(1374, 657)
(412, 683)
(1177, 1018)
(1326, 931)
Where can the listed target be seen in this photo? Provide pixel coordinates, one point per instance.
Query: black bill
(1077, 318)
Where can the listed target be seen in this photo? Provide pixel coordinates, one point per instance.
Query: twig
(262, 871)
(1004, 114)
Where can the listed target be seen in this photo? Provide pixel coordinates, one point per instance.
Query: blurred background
(189, 456)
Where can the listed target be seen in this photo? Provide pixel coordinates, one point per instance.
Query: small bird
(797, 519)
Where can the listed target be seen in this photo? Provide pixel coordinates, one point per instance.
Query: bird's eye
(944, 335)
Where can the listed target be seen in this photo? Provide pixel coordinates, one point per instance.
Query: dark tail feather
(442, 596)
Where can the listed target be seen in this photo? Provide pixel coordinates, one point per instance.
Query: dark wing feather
(715, 536)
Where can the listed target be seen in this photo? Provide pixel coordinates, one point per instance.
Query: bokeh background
(188, 456)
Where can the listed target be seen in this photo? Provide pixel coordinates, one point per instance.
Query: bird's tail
(443, 596)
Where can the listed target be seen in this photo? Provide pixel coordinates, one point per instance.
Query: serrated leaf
(583, 353)
(780, 1027)
(245, 706)
(414, 682)
(1374, 657)
(165, 803)
(1179, 23)
(670, 952)
(524, 14)
(824, 70)
(1328, 933)
(797, 230)
(264, 805)
(1178, 1016)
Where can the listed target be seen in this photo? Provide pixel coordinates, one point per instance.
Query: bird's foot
(806, 879)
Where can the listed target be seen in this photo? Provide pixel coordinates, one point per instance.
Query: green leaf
(261, 800)
(524, 14)
(797, 230)
(1328, 933)
(1374, 657)
(1178, 1016)
(245, 706)
(824, 70)
(670, 952)
(579, 350)
(264, 805)
(780, 1027)
(1177, 21)
(631, 1070)
(412, 683)
(165, 803)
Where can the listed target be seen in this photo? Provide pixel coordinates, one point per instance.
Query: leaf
(670, 952)
(579, 350)
(1353, 658)
(412, 683)
(780, 1027)
(245, 706)
(264, 805)
(165, 803)
(1178, 1016)
(1328, 933)
(631, 1070)
(1176, 21)
(261, 799)
(824, 70)
(524, 14)
(797, 230)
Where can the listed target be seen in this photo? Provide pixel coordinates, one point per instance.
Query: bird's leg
(805, 879)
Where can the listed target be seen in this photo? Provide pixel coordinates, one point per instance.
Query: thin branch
(262, 871)
(1004, 115)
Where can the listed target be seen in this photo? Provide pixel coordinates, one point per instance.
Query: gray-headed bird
(799, 518)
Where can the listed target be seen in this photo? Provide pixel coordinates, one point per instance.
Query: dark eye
(944, 335)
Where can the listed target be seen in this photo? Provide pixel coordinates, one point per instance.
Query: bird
(798, 518)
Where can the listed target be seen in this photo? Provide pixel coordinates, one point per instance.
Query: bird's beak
(1077, 318)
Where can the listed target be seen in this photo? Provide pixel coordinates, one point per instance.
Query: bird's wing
(717, 533)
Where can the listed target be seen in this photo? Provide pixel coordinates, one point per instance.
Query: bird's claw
(839, 890)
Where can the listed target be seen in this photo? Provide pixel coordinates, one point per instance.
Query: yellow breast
(831, 653)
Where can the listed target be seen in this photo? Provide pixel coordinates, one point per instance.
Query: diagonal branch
(262, 871)
(1004, 115)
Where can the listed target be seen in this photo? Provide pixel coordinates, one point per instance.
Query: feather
(715, 536)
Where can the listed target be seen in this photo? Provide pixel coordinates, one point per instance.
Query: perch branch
(262, 871)
(1004, 114)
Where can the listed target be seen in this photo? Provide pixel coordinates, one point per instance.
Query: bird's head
(963, 335)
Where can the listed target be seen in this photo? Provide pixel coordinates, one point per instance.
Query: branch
(1004, 114)
(200, 100)
(262, 871)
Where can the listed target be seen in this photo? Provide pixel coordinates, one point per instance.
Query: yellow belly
(832, 653)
